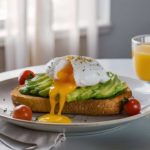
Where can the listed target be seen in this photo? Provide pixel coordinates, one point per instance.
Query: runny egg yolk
(64, 84)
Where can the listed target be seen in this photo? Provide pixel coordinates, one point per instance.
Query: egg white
(86, 71)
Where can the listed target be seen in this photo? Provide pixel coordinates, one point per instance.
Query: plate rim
(100, 123)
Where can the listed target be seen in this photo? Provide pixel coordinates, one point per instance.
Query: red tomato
(22, 112)
(132, 107)
(25, 75)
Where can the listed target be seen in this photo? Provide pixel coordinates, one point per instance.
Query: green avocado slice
(40, 84)
(100, 91)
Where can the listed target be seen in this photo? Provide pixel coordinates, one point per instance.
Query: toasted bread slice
(88, 107)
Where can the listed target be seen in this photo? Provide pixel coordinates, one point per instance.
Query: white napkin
(43, 140)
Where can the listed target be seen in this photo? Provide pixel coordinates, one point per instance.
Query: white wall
(129, 18)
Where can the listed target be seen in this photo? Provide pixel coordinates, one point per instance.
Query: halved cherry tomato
(25, 75)
(132, 107)
(22, 112)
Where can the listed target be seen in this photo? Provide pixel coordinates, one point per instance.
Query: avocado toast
(100, 99)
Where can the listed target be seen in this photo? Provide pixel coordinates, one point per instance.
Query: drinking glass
(141, 56)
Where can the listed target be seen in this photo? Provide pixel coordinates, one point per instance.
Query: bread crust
(88, 107)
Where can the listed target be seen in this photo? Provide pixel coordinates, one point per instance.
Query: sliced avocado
(37, 79)
(99, 91)
(40, 85)
(37, 85)
(108, 89)
(45, 92)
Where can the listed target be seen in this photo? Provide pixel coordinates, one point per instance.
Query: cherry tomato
(132, 107)
(22, 112)
(25, 75)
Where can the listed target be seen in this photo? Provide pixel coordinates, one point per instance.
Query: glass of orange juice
(141, 56)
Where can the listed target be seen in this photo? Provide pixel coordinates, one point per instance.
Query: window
(61, 18)
(61, 15)
(2, 12)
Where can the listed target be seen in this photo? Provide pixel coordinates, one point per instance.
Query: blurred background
(34, 31)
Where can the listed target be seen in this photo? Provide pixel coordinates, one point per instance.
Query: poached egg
(70, 72)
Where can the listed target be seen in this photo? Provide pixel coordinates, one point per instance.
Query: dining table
(132, 136)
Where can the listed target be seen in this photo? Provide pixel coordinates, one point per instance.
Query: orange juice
(141, 58)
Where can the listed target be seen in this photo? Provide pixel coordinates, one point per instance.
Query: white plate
(81, 124)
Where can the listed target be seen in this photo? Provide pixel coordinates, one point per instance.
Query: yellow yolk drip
(62, 86)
